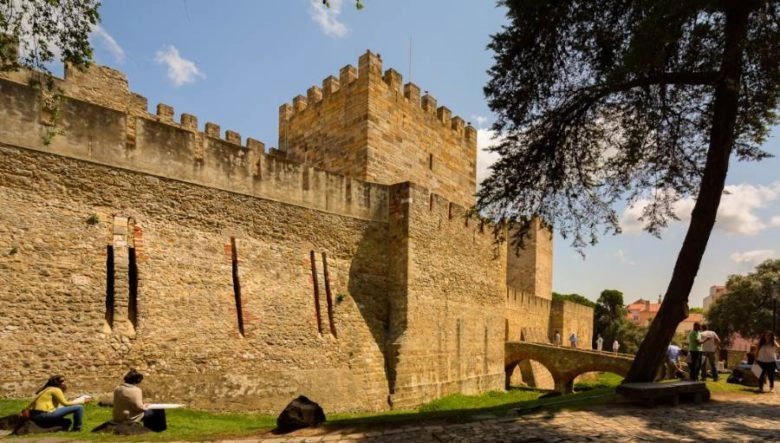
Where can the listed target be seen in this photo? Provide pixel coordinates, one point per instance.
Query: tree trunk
(674, 308)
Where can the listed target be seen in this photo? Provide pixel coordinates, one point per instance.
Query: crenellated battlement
(370, 70)
(100, 120)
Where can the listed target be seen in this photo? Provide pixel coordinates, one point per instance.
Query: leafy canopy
(609, 101)
(44, 31)
(747, 307)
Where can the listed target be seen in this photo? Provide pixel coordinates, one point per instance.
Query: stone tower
(371, 127)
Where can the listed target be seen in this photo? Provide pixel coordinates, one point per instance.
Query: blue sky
(235, 62)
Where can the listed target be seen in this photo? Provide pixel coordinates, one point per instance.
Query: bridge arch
(564, 364)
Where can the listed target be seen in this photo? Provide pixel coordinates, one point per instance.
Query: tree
(46, 30)
(618, 100)
(609, 310)
(611, 321)
(750, 305)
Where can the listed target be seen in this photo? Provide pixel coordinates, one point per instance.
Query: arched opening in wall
(531, 374)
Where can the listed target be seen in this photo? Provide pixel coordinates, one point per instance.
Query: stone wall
(569, 317)
(128, 239)
(450, 333)
(186, 338)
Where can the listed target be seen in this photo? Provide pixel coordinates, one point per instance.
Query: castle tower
(529, 270)
(371, 127)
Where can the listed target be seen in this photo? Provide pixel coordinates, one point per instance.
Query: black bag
(300, 413)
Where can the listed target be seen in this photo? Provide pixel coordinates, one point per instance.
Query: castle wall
(453, 336)
(364, 125)
(129, 239)
(155, 144)
(185, 338)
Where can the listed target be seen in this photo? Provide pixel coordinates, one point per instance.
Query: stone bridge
(564, 363)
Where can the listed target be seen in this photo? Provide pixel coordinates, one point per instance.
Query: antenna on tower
(410, 59)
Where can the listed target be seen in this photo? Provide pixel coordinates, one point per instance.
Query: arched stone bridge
(564, 363)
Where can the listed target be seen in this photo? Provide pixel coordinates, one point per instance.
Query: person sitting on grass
(129, 406)
(50, 406)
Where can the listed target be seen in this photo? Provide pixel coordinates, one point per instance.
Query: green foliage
(574, 298)
(748, 305)
(696, 311)
(93, 219)
(600, 103)
(609, 310)
(610, 320)
(568, 77)
(45, 30)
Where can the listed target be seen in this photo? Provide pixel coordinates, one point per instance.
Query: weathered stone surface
(125, 240)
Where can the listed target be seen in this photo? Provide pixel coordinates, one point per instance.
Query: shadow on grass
(466, 414)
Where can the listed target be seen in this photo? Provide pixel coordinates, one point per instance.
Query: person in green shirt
(694, 349)
(50, 406)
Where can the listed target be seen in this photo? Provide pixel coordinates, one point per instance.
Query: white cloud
(99, 34)
(485, 158)
(622, 257)
(480, 120)
(753, 257)
(180, 70)
(737, 213)
(327, 18)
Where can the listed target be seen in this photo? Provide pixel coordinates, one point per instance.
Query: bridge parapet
(564, 363)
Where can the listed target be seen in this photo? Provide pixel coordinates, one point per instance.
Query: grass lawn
(192, 425)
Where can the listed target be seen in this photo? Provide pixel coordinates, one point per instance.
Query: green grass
(183, 424)
(192, 425)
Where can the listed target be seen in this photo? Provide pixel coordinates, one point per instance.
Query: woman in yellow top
(50, 406)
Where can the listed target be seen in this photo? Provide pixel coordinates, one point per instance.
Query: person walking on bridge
(599, 343)
(573, 339)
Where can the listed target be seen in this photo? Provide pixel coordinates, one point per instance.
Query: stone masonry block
(165, 113)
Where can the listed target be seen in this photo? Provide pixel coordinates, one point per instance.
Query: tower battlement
(370, 125)
(370, 65)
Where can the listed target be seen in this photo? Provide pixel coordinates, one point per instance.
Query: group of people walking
(51, 408)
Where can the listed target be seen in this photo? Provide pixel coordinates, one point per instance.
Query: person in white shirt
(709, 351)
